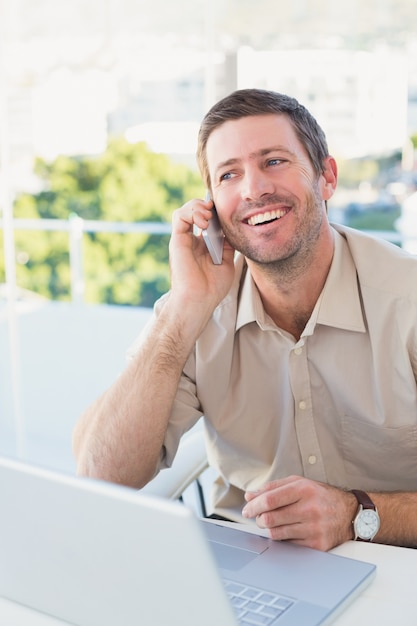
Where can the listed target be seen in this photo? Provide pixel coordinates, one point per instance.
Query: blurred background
(100, 103)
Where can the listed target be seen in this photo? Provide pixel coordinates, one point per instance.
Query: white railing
(75, 227)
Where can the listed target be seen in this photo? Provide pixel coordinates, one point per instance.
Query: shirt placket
(308, 443)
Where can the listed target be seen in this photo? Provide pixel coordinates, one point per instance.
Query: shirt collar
(340, 308)
(250, 308)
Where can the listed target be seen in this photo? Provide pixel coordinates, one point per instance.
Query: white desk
(391, 598)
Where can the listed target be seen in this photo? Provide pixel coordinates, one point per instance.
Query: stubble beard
(295, 258)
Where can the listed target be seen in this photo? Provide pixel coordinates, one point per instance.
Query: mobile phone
(213, 236)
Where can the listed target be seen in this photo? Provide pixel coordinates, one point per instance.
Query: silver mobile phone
(214, 238)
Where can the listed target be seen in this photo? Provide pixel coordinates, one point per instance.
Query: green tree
(127, 183)
(352, 172)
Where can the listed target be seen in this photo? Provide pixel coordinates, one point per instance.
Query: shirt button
(298, 351)
(312, 459)
(302, 405)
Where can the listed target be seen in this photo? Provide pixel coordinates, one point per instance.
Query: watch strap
(363, 499)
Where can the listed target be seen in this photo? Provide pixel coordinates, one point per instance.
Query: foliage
(126, 183)
(375, 220)
(352, 172)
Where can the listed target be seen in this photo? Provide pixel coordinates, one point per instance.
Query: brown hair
(247, 102)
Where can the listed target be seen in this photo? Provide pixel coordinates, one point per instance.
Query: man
(300, 351)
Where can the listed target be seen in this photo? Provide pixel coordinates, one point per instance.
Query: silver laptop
(95, 554)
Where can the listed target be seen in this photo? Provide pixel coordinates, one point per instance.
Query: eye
(275, 161)
(226, 176)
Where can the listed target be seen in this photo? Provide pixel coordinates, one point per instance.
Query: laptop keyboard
(254, 607)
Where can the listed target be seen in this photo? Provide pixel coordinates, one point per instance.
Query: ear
(328, 179)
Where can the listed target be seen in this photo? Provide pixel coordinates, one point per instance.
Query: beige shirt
(339, 405)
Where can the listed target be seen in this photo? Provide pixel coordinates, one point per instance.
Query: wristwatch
(366, 523)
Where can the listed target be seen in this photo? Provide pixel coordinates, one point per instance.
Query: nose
(255, 185)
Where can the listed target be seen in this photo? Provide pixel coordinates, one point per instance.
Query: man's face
(268, 196)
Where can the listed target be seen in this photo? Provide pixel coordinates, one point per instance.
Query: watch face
(367, 524)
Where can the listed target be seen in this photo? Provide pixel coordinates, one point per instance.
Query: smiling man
(299, 351)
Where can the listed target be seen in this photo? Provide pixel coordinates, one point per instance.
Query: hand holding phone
(213, 236)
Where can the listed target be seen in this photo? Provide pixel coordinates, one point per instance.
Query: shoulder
(360, 241)
(379, 263)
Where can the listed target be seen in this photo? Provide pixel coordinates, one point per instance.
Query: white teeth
(265, 217)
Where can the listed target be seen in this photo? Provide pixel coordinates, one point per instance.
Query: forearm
(398, 515)
(321, 516)
(119, 437)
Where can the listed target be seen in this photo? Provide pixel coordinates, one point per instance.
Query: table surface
(390, 598)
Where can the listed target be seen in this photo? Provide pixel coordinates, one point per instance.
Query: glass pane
(100, 105)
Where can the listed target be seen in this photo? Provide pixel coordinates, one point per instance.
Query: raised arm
(119, 437)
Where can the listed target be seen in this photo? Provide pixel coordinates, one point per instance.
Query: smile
(269, 216)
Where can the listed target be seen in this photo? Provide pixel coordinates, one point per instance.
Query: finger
(250, 495)
(290, 523)
(281, 516)
(296, 533)
(273, 484)
(302, 534)
(192, 213)
(201, 215)
(262, 503)
(286, 532)
(284, 491)
(272, 496)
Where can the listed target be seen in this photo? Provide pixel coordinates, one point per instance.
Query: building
(359, 98)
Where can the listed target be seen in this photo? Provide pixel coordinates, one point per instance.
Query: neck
(290, 288)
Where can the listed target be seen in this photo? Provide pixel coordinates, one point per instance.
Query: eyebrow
(258, 153)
